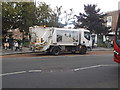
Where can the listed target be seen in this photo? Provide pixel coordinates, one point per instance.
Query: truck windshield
(87, 35)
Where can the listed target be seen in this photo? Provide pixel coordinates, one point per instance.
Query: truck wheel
(83, 50)
(56, 51)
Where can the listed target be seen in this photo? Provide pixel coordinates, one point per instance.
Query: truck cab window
(87, 35)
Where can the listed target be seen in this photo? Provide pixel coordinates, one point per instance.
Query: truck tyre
(83, 50)
(56, 51)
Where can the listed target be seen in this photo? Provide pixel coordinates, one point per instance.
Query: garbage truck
(57, 40)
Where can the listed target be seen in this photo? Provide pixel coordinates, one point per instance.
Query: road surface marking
(35, 71)
(13, 73)
(77, 69)
(110, 65)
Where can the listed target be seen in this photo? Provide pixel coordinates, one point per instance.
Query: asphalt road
(72, 71)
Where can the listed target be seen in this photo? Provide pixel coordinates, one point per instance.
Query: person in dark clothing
(10, 40)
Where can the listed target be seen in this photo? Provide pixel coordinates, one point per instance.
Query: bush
(103, 45)
(26, 43)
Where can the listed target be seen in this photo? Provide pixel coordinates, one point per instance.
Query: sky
(78, 5)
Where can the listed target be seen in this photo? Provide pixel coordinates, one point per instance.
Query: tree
(8, 16)
(23, 15)
(68, 16)
(92, 19)
(45, 15)
(17, 15)
(55, 17)
(27, 15)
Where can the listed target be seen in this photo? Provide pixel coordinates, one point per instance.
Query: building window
(109, 21)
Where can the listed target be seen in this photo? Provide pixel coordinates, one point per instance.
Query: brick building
(17, 34)
(111, 19)
(111, 22)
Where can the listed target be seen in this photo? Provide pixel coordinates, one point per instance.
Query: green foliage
(27, 13)
(23, 15)
(26, 43)
(102, 45)
(8, 12)
(46, 16)
(17, 15)
(43, 13)
(93, 20)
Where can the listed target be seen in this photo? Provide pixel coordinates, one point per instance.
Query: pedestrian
(6, 45)
(16, 45)
(10, 40)
(5, 42)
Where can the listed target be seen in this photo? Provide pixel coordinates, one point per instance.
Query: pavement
(9, 52)
(27, 50)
